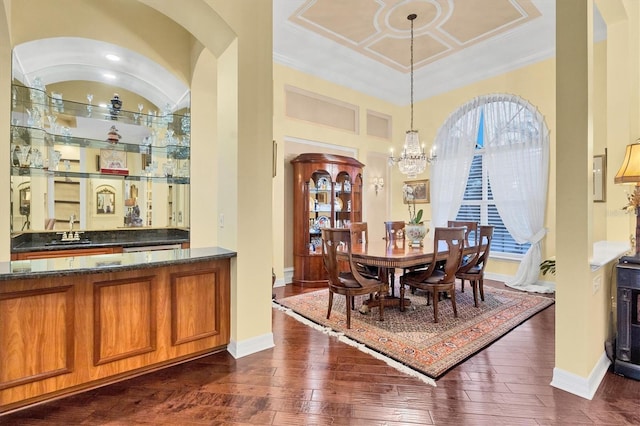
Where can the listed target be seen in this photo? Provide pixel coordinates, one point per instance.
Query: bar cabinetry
(103, 320)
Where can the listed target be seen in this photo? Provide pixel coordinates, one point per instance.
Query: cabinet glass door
(320, 187)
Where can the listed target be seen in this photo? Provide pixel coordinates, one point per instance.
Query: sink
(68, 243)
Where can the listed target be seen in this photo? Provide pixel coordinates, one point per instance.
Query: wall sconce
(378, 184)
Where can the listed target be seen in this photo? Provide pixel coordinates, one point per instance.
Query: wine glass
(89, 106)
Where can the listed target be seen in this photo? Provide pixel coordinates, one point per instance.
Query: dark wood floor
(310, 378)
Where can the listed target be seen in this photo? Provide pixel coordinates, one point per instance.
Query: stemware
(55, 159)
(89, 106)
(52, 123)
(23, 155)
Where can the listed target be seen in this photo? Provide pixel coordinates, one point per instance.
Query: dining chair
(360, 234)
(434, 280)
(349, 283)
(394, 230)
(473, 269)
(472, 227)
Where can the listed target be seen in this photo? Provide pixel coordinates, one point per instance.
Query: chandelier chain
(411, 18)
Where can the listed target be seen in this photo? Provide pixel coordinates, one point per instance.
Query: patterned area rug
(412, 338)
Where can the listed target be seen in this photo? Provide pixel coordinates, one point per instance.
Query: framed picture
(112, 161)
(420, 191)
(105, 200)
(600, 178)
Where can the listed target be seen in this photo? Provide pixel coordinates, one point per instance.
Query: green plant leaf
(418, 217)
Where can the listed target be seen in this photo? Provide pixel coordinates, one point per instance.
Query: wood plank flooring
(310, 378)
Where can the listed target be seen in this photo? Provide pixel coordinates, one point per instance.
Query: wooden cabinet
(63, 333)
(327, 192)
(47, 254)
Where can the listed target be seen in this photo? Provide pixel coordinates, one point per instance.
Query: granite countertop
(39, 268)
(133, 237)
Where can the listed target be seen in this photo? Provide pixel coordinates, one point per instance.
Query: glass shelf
(36, 172)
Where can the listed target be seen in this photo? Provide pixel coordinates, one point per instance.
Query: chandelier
(412, 160)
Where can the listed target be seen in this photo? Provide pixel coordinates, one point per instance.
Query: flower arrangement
(414, 217)
(633, 201)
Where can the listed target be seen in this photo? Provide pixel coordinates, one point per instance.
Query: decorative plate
(323, 183)
(338, 204)
(323, 222)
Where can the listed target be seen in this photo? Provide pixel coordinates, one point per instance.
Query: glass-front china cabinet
(327, 194)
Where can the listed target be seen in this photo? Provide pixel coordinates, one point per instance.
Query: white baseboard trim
(584, 387)
(497, 277)
(250, 346)
(288, 275)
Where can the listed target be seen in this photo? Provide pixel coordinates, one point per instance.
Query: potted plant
(414, 229)
(548, 266)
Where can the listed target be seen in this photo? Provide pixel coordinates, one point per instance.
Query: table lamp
(629, 172)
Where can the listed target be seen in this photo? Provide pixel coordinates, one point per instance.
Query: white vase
(415, 233)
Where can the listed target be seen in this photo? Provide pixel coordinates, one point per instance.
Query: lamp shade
(629, 172)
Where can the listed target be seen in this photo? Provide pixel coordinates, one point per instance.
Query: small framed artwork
(600, 178)
(105, 200)
(420, 191)
(114, 162)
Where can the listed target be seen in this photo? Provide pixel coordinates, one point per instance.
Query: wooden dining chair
(360, 235)
(394, 230)
(434, 280)
(349, 283)
(473, 269)
(472, 228)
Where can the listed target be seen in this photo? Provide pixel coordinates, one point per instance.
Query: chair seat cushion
(474, 270)
(412, 277)
(348, 280)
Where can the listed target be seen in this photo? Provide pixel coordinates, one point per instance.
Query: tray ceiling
(365, 44)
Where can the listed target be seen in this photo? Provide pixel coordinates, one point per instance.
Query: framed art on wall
(420, 191)
(600, 178)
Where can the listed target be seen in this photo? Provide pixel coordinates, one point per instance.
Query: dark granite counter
(129, 237)
(25, 269)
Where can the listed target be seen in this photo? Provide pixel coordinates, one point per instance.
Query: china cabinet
(327, 192)
(67, 153)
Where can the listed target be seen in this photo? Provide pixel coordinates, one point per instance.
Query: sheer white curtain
(517, 161)
(455, 146)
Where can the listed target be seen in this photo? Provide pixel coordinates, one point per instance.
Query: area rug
(411, 341)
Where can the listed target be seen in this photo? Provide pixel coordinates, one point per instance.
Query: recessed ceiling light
(109, 76)
(112, 57)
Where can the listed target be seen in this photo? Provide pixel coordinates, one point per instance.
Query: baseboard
(250, 346)
(496, 277)
(584, 387)
(288, 275)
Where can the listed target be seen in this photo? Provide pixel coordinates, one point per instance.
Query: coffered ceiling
(365, 44)
(361, 44)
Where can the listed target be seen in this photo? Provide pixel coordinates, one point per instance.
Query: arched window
(493, 159)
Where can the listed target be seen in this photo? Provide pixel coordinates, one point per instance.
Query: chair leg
(402, 296)
(453, 302)
(353, 303)
(330, 303)
(461, 285)
(381, 306)
(348, 311)
(481, 285)
(435, 305)
(474, 284)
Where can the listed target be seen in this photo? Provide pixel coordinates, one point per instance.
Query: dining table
(390, 255)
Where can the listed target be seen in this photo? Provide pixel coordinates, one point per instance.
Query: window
(478, 205)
